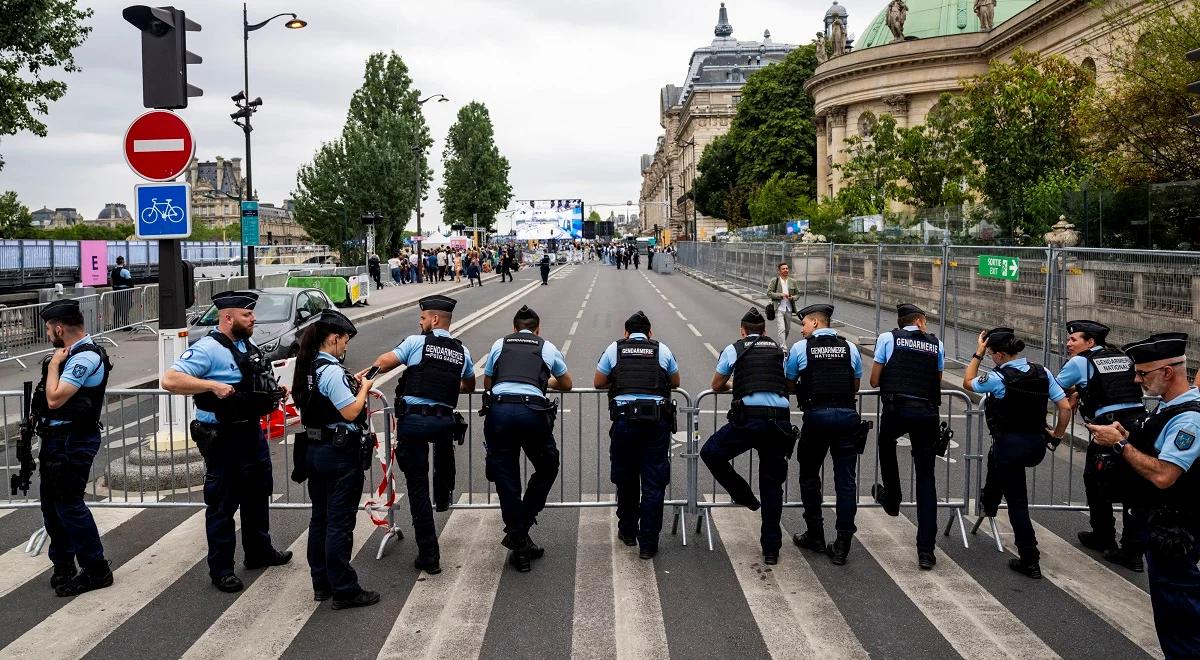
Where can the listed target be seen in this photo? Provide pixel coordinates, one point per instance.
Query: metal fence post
(829, 283)
(878, 287)
(1048, 305)
(942, 303)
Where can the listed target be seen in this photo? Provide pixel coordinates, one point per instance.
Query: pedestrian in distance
(759, 418)
(1101, 383)
(473, 274)
(65, 410)
(907, 370)
(519, 417)
(639, 373)
(1163, 452)
(437, 368)
(373, 268)
(337, 449)
(233, 387)
(121, 280)
(782, 292)
(1015, 410)
(636, 258)
(544, 269)
(826, 370)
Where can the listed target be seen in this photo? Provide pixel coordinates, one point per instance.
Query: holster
(792, 439)
(366, 447)
(485, 404)
(737, 412)
(942, 444)
(460, 428)
(1104, 471)
(204, 435)
(300, 457)
(861, 434)
(552, 414)
(1173, 533)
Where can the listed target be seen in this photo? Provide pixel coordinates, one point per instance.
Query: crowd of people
(623, 255)
(441, 264)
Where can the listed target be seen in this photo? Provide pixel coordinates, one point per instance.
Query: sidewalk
(136, 355)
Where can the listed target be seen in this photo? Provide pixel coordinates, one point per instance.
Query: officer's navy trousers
(829, 430)
(641, 471)
(509, 429)
(771, 439)
(921, 426)
(1175, 597)
(66, 464)
(238, 475)
(1010, 454)
(416, 432)
(335, 484)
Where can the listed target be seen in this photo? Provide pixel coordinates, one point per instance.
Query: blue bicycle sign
(164, 210)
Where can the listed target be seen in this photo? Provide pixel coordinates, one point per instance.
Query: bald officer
(67, 405)
(227, 374)
(437, 368)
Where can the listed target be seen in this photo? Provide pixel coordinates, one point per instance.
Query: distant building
(217, 191)
(45, 218)
(692, 116)
(112, 215)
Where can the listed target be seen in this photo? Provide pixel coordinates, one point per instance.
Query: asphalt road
(590, 597)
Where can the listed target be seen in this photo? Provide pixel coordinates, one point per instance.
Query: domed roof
(936, 18)
(836, 10)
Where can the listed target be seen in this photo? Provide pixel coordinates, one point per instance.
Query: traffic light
(165, 57)
(1194, 88)
(189, 283)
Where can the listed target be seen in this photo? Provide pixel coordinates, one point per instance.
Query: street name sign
(158, 146)
(250, 222)
(999, 268)
(164, 210)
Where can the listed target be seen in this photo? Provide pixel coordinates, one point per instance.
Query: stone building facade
(216, 202)
(692, 116)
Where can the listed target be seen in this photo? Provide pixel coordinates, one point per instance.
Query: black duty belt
(427, 410)
(1118, 416)
(908, 402)
(520, 398)
(766, 412)
(325, 435)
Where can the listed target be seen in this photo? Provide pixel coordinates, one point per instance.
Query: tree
(35, 37)
(476, 178)
(716, 186)
(1139, 118)
(933, 163)
(594, 217)
(15, 219)
(780, 199)
(872, 170)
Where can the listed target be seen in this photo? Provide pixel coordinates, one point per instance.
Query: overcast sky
(572, 87)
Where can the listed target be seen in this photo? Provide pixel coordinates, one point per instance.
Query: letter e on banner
(93, 263)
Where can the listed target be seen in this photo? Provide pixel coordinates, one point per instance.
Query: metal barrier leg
(36, 541)
(707, 527)
(996, 535)
(962, 526)
(978, 523)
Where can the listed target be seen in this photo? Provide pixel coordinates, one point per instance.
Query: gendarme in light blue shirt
(608, 362)
(331, 383)
(1077, 371)
(797, 359)
(550, 355)
(725, 368)
(886, 342)
(210, 360)
(1177, 443)
(993, 383)
(81, 370)
(412, 350)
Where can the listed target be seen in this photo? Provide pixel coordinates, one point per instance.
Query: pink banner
(93, 263)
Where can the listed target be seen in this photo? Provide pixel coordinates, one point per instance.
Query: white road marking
(579, 314)
(662, 296)
(712, 350)
(566, 347)
(593, 628)
(640, 630)
(680, 315)
(671, 305)
(17, 567)
(694, 330)
(574, 327)
(583, 304)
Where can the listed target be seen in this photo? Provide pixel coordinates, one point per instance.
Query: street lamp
(692, 143)
(246, 108)
(417, 151)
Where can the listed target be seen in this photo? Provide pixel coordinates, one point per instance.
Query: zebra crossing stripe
(966, 614)
(640, 630)
(17, 567)
(794, 613)
(593, 628)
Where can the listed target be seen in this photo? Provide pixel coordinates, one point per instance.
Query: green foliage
(35, 37)
(827, 217)
(778, 200)
(15, 219)
(935, 167)
(872, 169)
(717, 193)
(594, 216)
(80, 232)
(374, 165)
(476, 177)
(1047, 199)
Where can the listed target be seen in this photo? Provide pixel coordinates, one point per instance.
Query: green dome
(936, 18)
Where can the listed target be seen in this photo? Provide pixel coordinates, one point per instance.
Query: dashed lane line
(579, 314)
(680, 315)
(712, 350)
(566, 347)
(694, 330)
(574, 327)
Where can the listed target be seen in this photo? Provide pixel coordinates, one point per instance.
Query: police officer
(826, 370)
(1101, 383)
(639, 373)
(121, 281)
(333, 408)
(67, 405)
(438, 368)
(519, 417)
(1163, 452)
(233, 387)
(908, 372)
(1016, 416)
(759, 418)
(544, 269)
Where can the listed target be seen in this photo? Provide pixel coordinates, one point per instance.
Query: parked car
(279, 316)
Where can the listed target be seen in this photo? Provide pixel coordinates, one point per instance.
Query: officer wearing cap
(437, 368)
(759, 419)
(121, 280)
(826, 371)
(66, 406)
(1163, 453)
(233, 389)
(519, 369)
(333, 408)
(1101, 383)
(908, 372)
(639, 373)
(1015, 410)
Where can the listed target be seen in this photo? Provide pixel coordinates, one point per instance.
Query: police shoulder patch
(78, 371)
(1184, 440)
(186, 354)
(983, 378)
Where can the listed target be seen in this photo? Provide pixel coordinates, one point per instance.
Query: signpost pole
(172, 342)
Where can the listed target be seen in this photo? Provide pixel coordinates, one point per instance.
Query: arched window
(866, 122)
(1089, 66)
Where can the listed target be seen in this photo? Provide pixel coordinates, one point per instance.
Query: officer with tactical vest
(639, 373)
(1101, 383)
(1015, 409)
(826, 370)
(437, 368)
(337, 450)
(66, 408)
(518, 416)
(121, 280)
(1162, 451)
(759, 418)
(234, 388)
(908, 372)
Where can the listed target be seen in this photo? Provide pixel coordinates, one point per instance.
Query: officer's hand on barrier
(222, 390)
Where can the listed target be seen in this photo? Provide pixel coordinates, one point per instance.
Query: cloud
(572, 86)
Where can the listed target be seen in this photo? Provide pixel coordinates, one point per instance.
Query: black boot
(1127, 558)
(62, 575)
(889, 501)
(810, 540)
(840, 548)
(95, 576)
(1096, 541)
(520, 560)
(926, 560)
(361, 599)
(1028, 568)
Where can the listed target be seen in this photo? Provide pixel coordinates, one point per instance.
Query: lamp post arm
(259, 26)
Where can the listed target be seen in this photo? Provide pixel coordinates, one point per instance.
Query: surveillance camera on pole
(165, 57)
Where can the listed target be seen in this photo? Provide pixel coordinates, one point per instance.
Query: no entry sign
(158, 146)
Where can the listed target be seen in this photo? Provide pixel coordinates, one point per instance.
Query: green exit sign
(1000, 268)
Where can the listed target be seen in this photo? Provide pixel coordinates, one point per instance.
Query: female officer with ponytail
(1018, 391)
(333, 409)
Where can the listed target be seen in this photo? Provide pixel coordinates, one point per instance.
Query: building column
(822, 158)
(836, 120)
(898, 107)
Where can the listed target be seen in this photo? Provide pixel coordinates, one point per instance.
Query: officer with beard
(230, 379)
(67, 405)
(437, 368)
(1163, 452)
(1101, 382)
(519, 418)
